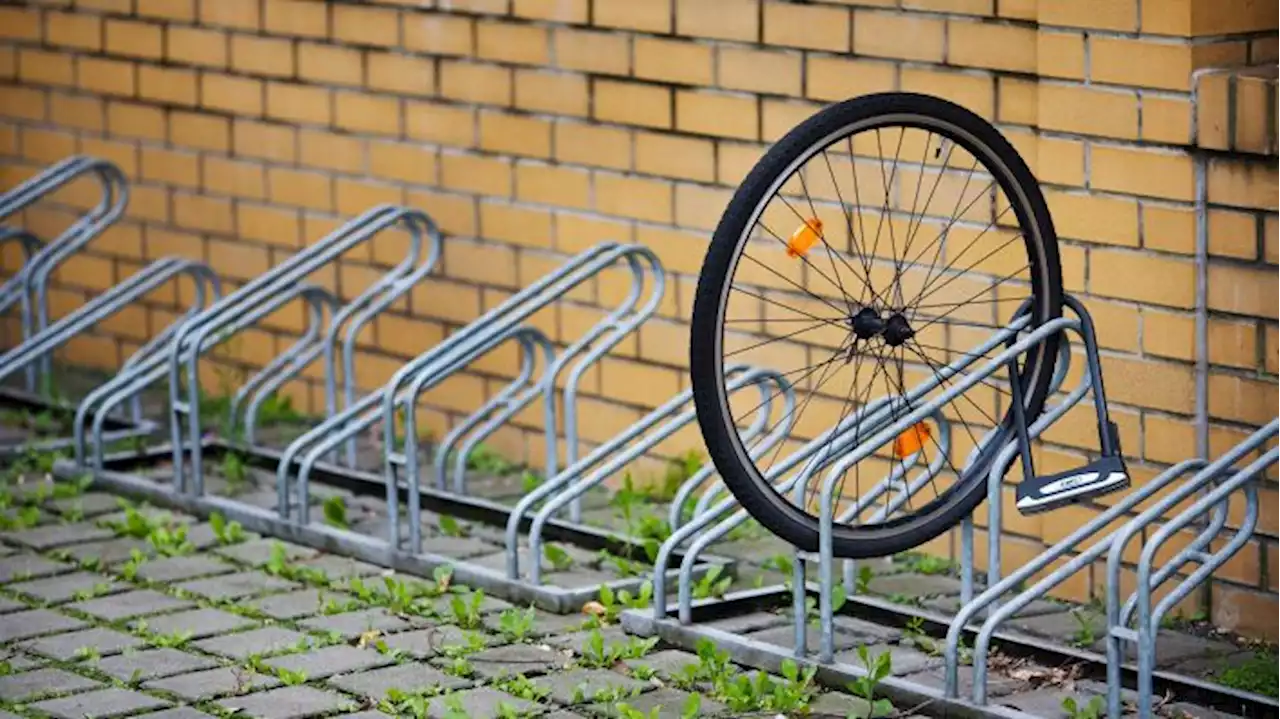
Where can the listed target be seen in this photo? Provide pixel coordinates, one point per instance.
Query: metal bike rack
(29, 288)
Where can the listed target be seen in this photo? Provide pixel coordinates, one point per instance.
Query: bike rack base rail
(115, 428)
(121, 475)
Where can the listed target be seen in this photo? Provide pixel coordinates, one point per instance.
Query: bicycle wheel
(876, 243)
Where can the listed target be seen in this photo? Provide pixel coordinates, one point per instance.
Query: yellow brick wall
(531, 129)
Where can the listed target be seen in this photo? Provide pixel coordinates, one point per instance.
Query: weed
(226, 532)
(459, 667)
(234, 469)
(876, 668)
(613, 694)
(1096, 708)
(173, 639)
(530, 481)
(516, 624)
(402, 703)
(486, 459)
(1257, 675)
(1085, 635)
(24, 518)
(472, 642)
(96, 590)
(623, 566)
(89, 654)
(171, 541)
(335, 512)
(909, 600)
(289, 677)
(611, 603)
(454, 709)
(862, 584)
(559, 559)
(466, 611)
(450, 527)
(129, 570)
(711, 584)
(599, 654)
(521, 687)
(782, 563)
(838, 600)
(926, 563)
(626, 711)
(743, 693)
(643, 672)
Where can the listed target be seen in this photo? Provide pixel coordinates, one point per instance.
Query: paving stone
(1177, 647)
(200, 622)
(1064, 626)
(11, 605)
(51, 536)
(236, 586)
(839, 704)
(108, 552)
(866, 632)
(213, 683)
(425, 643)
(481, 703)
(997, 685)
(669, 702)
(444, 605)
(1184, 710)
(153, 664)
(41, 682)
(29, 566)
(456, 547)
(22, 662)
(63, 587)
(563, 688)
(291, 605)
(101, 704)
(176, 569)
(786, 637)
(88, 505)
(749, 622)
(325, 662)
(562, 714)
(914, 585)
(903, 660)
(293, 702)
(258, 551)
(545, 624)
(613, 636)
(512, 659)
(265, 640)
(177, 713)
(1047, 702)
(337, 567)
(582, 578)
(407, 677)
(498, 560)
(130, 604)
(64, 646)
(353, 624)
(33, 623)
(951, 605)
(1205, 665)
(371, 714)
(666, 664)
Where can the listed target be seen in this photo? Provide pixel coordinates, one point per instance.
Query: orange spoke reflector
(911, 441)
(805, 237)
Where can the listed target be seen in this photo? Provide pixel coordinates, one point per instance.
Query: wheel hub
(894, 329)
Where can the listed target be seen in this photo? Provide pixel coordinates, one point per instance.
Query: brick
(299, 103)
(1147, 171)
(593, 145)
(172, 168)
(242, 14)
(811, 27)
(1253, 134)
(572, 11)
(512, 43)
(213, 683)
(443, 124)
(1241, 399)
(837, 78)
(85, 113)
(636, 383)
(551, 92)
(1233, 234)
(675, 61)
(1242, 290)
(518, 225)
(400, 74)
(183, 10)
(378, 115)
(202, 213)
(326, 64)
(1095, 14)
(272, 57)
(1166, 119)
(597, 52)
(234, 178)
(632, 197)
(196, 46)
(135, 39)
(41, 681)
(23, 23)
(651, 16)
(362, 25)
(1157, 385)
(776, 73)
(1243, 184)
(700, 207)
(272, 225)
(268, 142)
(1094, 218)
(551, 185)
(168, 85)
(677, 157)
(62, 29)
(1060, 54)
(881, 34)
(717, 114)
(996, 47)
(404, 162)
(473, 82)
(778, 117)
(515, 135)
(204, 132)
(719, 19)
(481, 175)
(1089, 110)
(239, 95)
(1142, 277)
(1168, 228)
(1143, 63)
(965, 7)
(975, 92)
(632, 103)
(296, 17)
(438, 34)
(288, 702)
(45, 68)
(1270, 239)
(311, 190)
(46, 146)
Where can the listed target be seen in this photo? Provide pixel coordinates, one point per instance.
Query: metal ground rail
(829, 606)
(29, 289)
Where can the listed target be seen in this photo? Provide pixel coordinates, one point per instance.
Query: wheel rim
(871, 302)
